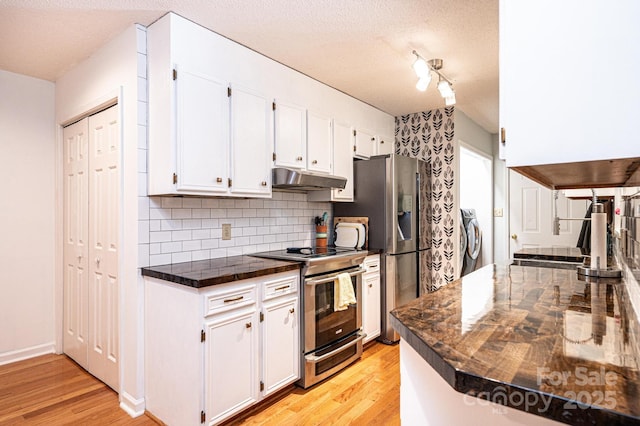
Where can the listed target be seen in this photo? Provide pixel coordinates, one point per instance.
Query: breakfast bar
(521, 344)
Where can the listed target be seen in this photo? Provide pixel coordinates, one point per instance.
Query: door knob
(514, 236)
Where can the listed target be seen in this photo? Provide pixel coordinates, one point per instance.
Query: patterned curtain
(429, 136)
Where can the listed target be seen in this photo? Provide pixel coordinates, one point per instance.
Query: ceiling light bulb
(423, 83)
(445, 88)
(421, 68)
(450, 100)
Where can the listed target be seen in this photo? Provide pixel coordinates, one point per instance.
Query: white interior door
(91, 227)
(531, 216)
(76, 250)
(104, 197)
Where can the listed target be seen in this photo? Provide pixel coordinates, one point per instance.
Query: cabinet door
(319, 143)
(585, 110)
(386, 145)
(202, 110)
(290, 130)
(231, 363)
(343, 159)
(251, 142)
(365, 144)
(280, 344)
(371, 305)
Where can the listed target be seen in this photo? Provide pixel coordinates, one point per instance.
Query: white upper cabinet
(365, 143)
(342, 165)
(569, 80)
(291, 135)
(202, 130)
(251, 145)
(386, 144)
(319, 143)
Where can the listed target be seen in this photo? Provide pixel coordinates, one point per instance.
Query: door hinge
(175, 178)
(261, 317)
(354, 132)
(229, 91)
(261, 385)
(273, 106)
(175, 74)
(354, 148)
(203, 416)
(503, 135)
(230, 182)
(203, 336)
(274, 156)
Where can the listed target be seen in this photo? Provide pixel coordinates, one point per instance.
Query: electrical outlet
(497, 212)
(226, 231)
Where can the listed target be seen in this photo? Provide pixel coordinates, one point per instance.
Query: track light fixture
(423, 69)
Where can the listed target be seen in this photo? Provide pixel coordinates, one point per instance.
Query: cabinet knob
(370, 285)
(514, 236)
(219, 180)
(248, 325)
(264, 183)
(373, 139)
(314, 162)
(292, 310)
(381, 142)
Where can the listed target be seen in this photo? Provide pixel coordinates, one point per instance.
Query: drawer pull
(373, 266)
(219, 180)
(314, 162)
(292, 310)
(248, 325)
(235, 299)
(284, 287)
(299, 158)
(264, 183)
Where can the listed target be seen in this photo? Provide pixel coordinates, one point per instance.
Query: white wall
(118, 69)
(27, 248)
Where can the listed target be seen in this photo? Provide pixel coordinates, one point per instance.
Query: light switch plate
(497, 212)
(226, 231)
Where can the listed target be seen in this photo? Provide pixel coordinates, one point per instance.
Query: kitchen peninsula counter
(533, 339)
(205, 273)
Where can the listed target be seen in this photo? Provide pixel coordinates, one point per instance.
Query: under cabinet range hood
(298, 180)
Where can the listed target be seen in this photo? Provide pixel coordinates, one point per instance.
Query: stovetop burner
(319, 259)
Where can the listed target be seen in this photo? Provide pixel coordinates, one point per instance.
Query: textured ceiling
(361, 47)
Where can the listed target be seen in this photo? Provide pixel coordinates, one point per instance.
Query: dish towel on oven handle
(343, 294)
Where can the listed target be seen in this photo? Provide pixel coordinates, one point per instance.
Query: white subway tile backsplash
(180, 213)
(192, 203)
(143, 208)
(181, 235)
(182, 229)
(143, 255)
(143, 232)
(159, 237)
(171, 247)
(142, 184)
(142, 137)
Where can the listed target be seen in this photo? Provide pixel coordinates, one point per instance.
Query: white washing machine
(473, 240)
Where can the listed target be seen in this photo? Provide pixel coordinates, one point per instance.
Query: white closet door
(76, 250)
(104, 210)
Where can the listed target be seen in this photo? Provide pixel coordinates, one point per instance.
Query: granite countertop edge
(486, 388)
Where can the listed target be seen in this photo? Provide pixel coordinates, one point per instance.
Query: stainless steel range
(332, 339)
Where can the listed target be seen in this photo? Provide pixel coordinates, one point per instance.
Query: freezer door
(401, 287)
(402, 228)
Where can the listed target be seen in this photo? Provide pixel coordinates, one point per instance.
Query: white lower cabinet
(371, 320)
(213, 352)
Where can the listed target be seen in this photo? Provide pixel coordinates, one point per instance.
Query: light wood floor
(54, 390)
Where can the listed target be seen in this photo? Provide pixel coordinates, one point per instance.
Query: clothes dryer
(474, 240)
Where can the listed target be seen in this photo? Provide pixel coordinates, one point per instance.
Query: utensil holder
(321, 235)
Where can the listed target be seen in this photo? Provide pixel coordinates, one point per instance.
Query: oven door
(323, 324)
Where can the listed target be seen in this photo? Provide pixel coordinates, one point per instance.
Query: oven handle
(333, 278)
(315, 359)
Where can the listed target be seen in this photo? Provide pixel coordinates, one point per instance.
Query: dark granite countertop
(533, 332)
(204, 273)
(560, 254)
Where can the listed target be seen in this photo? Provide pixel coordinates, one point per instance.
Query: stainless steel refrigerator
(392, 191)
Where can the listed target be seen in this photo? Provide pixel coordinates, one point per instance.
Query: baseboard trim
(26, 353)
(133, 407)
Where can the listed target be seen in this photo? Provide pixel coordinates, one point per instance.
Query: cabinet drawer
(280, 286)
(372, 263)
(232, 298)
